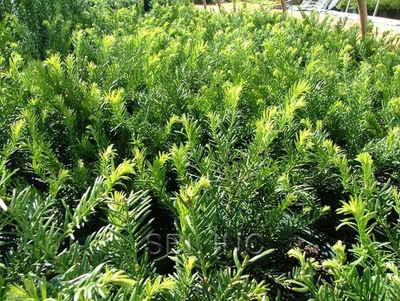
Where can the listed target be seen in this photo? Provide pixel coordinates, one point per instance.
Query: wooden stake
(377, 7)
(362, 10)
(347, 7)
(284, 7)
(219, 5)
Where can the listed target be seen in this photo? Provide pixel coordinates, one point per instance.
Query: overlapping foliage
(384, 5)
(213, 127)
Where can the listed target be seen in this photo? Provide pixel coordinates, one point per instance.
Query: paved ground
(382, 24)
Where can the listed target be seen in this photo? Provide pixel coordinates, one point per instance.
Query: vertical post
(234, 6)
(284, 7)
(205, 4)
(219, 5)
(362, 10)
(244, 3)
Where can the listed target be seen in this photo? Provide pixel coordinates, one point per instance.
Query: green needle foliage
(223, 140)
(369, 271)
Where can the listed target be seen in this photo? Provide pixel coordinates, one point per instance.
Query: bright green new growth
(214, 127)
(371, 272)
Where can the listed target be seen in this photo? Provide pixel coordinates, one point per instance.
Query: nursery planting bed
(188, 155)
(381, 24)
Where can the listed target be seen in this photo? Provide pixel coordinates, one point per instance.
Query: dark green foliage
(391, 5)
(238, 133)
(43, 25)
